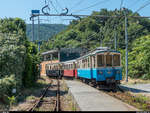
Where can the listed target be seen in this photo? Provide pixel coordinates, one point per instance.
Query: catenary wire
(77, 4)
(142, 7)
(59, 4)
(98, 3)
(121, 4)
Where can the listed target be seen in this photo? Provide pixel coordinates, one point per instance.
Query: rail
(57, 99)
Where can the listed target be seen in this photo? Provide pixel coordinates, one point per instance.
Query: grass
(139, 101)
(71, 103)
(31, 93)
(65, 86)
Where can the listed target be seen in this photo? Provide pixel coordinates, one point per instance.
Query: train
(101, 66)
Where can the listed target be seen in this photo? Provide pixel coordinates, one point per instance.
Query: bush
(31, 71)
(139, 58)
(18, 57)
(7, 84)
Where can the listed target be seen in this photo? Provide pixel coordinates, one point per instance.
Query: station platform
(88, 98)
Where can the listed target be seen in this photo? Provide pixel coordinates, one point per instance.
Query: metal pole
(126, 42)
(101, 43)
(115, 40)
(38, 33)
(33, 29)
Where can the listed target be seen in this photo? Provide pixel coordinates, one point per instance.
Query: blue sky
(22, 8)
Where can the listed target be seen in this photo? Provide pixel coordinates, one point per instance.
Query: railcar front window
(100, 60)
(116, 60)
(94, 62)
(108, 60)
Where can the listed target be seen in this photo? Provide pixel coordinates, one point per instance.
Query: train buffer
(88, 98)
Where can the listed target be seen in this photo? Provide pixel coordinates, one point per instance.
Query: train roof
(53, 63)
(70, 61)
(99, 50)
(49, 52)
(102, 51)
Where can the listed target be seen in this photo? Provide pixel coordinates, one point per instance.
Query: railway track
(54, 103)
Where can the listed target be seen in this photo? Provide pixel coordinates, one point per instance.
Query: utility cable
(54, 7)
(142, 7)
(101, 2)
(134, 3)
(59, 4)
(77, 4)
(121, 4)
(57, 10)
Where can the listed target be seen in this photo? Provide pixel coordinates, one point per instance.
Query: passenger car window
(116, 60)
(108, 60)
(100, 60)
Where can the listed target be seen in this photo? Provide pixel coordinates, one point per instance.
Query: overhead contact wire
(98, 3)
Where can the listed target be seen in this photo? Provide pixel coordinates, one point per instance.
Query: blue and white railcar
(102, 66)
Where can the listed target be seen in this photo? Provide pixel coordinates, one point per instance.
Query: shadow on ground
(134, 90)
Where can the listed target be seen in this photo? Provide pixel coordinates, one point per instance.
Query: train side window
(100, 60)
(85, 65)
(82, 63)
(94, 62)
(46, 67)
(79, 64)
(108, 60)
(88, 62)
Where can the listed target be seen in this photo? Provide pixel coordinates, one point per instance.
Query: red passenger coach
(69, 69)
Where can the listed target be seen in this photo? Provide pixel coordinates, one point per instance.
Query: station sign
(35, 11)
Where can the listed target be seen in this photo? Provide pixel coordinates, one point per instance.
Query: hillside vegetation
(46, 30)
(18, 58)
(90, 31)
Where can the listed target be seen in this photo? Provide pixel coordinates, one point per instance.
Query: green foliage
(12, 100)
(46, 30)
(17, 56)
(7, 84)
(31, 71)
(90, 31)
(139, 58)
